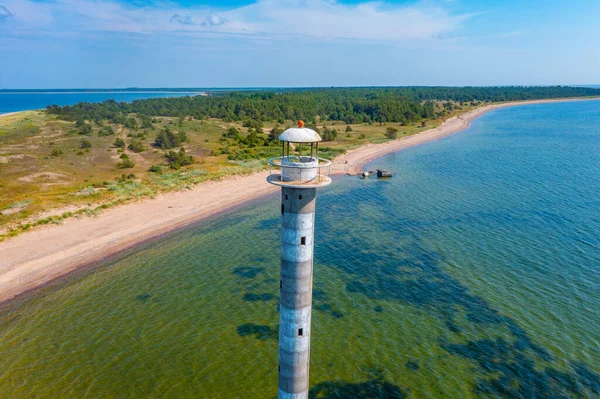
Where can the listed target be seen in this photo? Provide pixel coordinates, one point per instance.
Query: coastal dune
(35, 258)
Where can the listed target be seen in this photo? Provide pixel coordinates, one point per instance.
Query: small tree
(348, 129)
(85, 144)
(106, 131)
(232, 133)
(130, 123)
(86, 129)
(126, 163)
(178, 159)
(182, 137)
(166, 139)
(146, 122)
(136, 145)
(329, 134)
(275, 132)
(119, 143)
(391, 132)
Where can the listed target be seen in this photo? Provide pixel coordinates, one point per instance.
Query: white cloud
(185, 19)
(271, 18)
(214, 20)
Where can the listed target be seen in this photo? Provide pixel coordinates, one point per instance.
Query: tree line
(351, 105)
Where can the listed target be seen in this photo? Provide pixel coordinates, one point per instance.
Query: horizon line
(197, 88)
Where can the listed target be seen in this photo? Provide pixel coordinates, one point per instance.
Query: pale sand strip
(10, 113)
(35, 258)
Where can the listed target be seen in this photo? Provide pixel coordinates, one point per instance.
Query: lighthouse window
(280, 283)
(299, 197)
(300, 332)
(302, 240)
(286, 196)
(282, 208)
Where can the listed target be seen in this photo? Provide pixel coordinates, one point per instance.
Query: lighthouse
(299, 174)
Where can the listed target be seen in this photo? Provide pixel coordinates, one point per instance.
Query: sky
(297, 43)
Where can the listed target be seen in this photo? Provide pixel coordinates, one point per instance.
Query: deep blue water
(473, 272)
(22, 101)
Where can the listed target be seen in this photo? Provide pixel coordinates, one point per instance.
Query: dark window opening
(302, 240)
(286, 196)
(278, 368)
(282, 208)
(300, 332)
(280, 283)
(299, 197)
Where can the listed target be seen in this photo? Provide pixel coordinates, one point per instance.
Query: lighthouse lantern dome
(300, 134)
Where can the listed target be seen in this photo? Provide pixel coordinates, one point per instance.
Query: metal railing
(299, 170)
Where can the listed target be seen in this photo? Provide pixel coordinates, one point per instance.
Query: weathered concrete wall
(297, 243)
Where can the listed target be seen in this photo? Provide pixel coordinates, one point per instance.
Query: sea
(473, 273)
(22, 100)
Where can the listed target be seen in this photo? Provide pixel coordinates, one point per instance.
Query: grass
(46, 177)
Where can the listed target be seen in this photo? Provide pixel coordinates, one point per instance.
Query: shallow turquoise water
(474, 272)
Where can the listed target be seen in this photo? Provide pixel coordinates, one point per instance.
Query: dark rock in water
(259, 331)
(247, 271)
(258, 297)
(383, 173)
(373, 389)
(413, 365)
(143, 297)
(337, 315)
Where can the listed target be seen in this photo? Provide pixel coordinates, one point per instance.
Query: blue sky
(234, 43)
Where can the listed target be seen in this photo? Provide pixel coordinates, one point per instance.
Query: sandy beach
(35, 258)
(10, 113)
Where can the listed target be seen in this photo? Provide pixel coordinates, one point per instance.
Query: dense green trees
(351, 105)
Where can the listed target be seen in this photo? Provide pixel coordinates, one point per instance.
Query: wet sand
(35, 258)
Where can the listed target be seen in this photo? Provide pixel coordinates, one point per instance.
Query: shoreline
(359, 157)
(37, 258)
(11, 113)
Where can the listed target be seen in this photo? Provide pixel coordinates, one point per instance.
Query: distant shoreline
(359, 157)
(36, 258)
(99, 92)
(11, 113)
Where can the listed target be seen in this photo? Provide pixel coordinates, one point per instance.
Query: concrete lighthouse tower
(299, 177)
